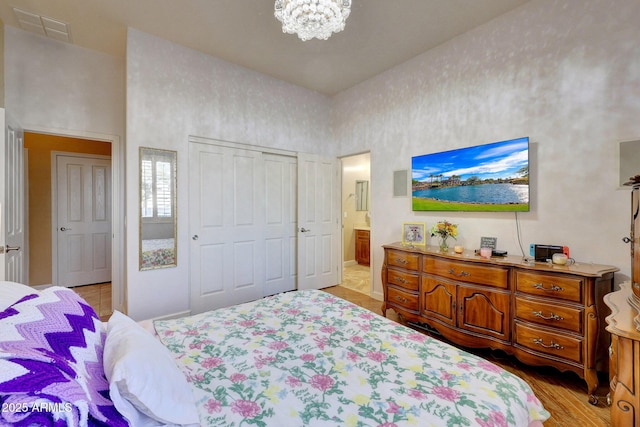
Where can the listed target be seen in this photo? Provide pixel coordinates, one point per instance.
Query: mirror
(158, 219)
(629, 160)
(362, 195)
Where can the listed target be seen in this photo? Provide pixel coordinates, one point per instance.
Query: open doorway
(356, 223)
(41, 197)
(40, 145)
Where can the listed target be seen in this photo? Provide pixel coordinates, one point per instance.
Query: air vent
(43, 25)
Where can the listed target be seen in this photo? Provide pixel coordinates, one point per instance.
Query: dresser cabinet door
(483, 311)
(438, 300)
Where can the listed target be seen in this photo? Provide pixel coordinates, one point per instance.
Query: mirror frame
(166, 254)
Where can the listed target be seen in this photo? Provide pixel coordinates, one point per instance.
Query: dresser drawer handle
(539, 341)
(551, 317)
(401, 299)
(402, 261)
(461, 274)
(399, 279)
(553, 288)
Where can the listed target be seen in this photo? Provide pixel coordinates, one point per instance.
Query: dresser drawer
(549, 314)
(549, 285)
(404, 260)
(403, 279)
(467, 272)
(559, 345)
(403, 299)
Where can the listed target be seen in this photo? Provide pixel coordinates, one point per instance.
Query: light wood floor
(99, 297)
(563, 394)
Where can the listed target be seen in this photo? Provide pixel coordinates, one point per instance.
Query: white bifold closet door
(243, 222)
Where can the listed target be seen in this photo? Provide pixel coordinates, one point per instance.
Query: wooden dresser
(543, 314)
(624, 326)
(624, 369)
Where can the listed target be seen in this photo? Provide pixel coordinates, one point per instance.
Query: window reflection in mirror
(362, 195)
(158, 216)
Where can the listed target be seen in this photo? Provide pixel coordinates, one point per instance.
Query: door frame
(118, 220)
(342, 202)
(54, 203)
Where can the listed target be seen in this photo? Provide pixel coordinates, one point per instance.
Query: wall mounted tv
(490, 178)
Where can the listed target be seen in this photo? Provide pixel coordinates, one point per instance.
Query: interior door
(280, 176)
(12, 225)
(82, 226)
(318, 222)
(226, 221)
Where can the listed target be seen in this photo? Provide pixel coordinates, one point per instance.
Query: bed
(293, 359)
(157, 252)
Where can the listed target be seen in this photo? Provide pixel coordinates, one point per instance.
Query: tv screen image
(490, 177)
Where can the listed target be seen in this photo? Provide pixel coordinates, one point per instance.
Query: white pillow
(11, 292)
(145, 384)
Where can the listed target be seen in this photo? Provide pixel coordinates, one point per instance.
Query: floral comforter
(309, 358)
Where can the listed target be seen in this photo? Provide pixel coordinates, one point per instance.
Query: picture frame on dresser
(414, 234)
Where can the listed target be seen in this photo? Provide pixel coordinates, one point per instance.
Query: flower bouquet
(444, 230)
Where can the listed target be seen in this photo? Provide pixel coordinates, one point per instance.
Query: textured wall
(61, 86)
(174, 92)
(564, 73)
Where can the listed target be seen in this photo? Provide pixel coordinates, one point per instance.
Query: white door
(226, 221)
(12, 243)
(280, 176)
(82, 224)
(318, 222)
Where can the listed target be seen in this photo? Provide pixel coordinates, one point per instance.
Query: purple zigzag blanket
(51, 371)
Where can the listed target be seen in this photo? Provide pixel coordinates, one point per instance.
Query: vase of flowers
(443, 230)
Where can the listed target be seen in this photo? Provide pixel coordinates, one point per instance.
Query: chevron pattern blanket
(51, 371)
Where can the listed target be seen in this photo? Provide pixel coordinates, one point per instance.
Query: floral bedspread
(309, 358)
(157, 252)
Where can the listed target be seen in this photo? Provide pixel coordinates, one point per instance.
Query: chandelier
(312, 18)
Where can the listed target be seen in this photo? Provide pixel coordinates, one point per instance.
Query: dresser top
(579, 268)
(624, 319)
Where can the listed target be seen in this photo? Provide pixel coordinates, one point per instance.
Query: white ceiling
(379, 34)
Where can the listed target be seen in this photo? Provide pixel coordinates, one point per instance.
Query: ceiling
(379, 34)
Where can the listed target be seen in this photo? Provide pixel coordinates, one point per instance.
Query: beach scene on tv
(490, 177)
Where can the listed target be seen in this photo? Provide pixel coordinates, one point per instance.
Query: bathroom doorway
(356, 222)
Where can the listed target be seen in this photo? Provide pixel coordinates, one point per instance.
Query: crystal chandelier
(312, 18)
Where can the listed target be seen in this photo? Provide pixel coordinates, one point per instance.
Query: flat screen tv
(491, 178)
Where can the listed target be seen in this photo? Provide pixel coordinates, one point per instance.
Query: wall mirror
(362, 195)
(629, 160)
(158, 216)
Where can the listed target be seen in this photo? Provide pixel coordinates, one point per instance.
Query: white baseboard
(349, 263)
(377, 295)
(173, 315)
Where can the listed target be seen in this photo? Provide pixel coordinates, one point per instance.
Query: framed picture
(413, 233)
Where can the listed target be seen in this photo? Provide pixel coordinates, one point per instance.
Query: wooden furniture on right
(543, 314)
(624, 354)
(624, 326)
(362, 247)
